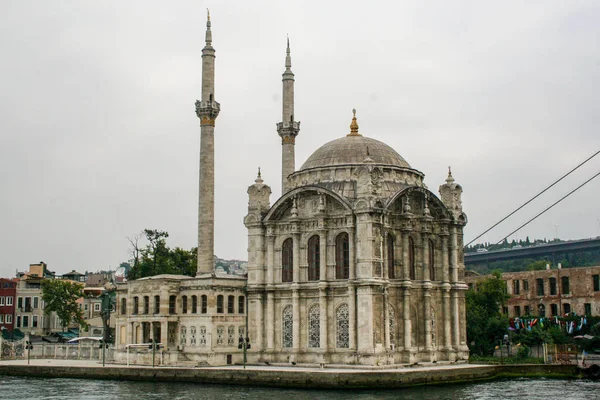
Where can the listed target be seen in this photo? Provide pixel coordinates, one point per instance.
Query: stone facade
(551, 291)
(356, 263)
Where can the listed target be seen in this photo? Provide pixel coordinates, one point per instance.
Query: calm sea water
(522, 389)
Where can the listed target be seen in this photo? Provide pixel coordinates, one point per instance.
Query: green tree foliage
(537, 265)
(485, 324)
(158, 258)
(61, 297)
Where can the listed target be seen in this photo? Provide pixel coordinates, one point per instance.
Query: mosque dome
(354, 149)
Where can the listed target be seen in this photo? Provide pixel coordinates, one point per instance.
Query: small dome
(354, 149)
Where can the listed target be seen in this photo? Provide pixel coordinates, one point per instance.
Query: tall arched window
(342, 256)
(314, 326)
(287, 261)
(147, 305)
(431, 260)
(287, 328)
(241, 304)
(194, 304)
(184, 304)
(136, 305)
(390, 257)
(411, 259)
(156, 304)
(342, 327)
(123, 306)
(203, 304)
(220, 304)
(314, 257)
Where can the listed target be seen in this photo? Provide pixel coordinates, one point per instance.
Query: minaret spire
(207, 110)
(288, 128)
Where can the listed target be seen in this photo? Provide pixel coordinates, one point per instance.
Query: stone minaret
(207, 109)
(288, 129)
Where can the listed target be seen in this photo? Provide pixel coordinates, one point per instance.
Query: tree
(61, 297)
(485, 323)
(157, 258)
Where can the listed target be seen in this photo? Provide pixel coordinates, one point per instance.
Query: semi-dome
(354, 149)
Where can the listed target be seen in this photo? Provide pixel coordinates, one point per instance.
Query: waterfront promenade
(340, 377)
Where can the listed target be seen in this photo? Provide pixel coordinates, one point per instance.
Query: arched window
(203, 304)
(194, 304)
(230, 304)
(241, 304)
(287, 261)
(156, 304)
(182, 334)
(411, 259)
(147, 305)
(220, 304)
(123, 306)
(136, 305)
(314, 326)
(342, 327)
(431, 260)
(392, 326)
(342, 256)
(390, 257)
(287, 328)
(314, 258)
(172, 304)
(184, 304)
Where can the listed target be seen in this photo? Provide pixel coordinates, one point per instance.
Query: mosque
(356, 263)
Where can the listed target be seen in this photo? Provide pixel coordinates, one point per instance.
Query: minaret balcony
(290, 128)
(209, 109)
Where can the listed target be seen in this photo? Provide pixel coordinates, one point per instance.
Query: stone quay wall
(295, 377)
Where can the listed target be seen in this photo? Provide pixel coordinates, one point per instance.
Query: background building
(8, 295)
(550, 292)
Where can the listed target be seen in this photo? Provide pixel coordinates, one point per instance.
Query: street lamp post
(29, 347)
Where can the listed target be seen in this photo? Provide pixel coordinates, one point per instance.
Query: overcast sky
(100, 139)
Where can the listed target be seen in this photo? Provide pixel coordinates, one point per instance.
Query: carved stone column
(323, 320)
(258, 320)
(454, 292)
(296, 257)
(405, 257)
(386, 319)
(426, 293)
(296, 318)
(446, 294)
(406, 315)
(323, 255)
(270, 256)
(352, 255)
(353, 317)
(270, 321)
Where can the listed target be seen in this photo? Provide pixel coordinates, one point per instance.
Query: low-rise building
(550, 292)
(8, 290)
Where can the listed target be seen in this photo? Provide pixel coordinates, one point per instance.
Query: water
(16, 388)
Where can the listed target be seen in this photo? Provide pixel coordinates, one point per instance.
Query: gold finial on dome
(354, 125)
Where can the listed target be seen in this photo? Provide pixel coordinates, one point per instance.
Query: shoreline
(288, 377)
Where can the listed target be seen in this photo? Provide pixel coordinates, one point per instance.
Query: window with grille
(220, 335)
(287, 328)
(182, 334)
(172, 304)
(193, 335)
(123, 306)
(314, 326)
(184, 304)
(156, 304)
(202, 340)
(342, 327)
(231, 335)
(136, 304)
(147, 305)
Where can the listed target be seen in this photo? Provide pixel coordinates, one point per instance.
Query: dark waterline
(16, 388)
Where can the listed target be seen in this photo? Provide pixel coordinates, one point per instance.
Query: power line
(534, 197)
(561, 199)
